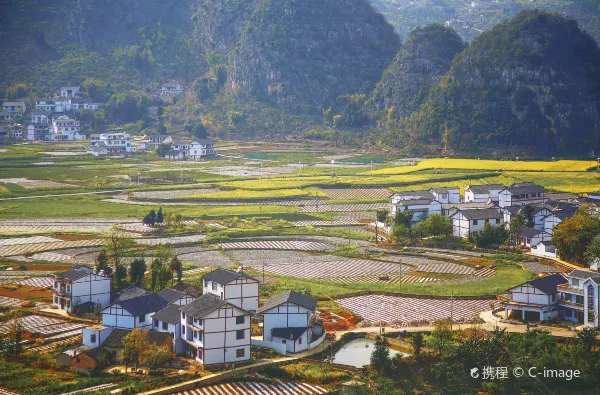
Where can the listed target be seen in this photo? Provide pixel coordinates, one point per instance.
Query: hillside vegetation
(531, 82)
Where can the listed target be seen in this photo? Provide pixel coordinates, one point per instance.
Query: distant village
(211, 326)
(53, 119)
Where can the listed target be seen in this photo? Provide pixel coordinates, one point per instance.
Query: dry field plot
(27, 240)
(38, 282)
(174, 194)
(376, 308)
(350, 269)
(357, 193)
(276, 245)
(31, 248)
(256, 388)
(171, 240)
(206, 258)
(326, 223)
(33, 184)
(325, 208)
(10, 302)
(254, 171)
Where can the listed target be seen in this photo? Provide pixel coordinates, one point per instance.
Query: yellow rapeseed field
(493, 165)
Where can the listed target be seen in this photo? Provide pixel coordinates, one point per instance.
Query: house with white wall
(14, 108)
(531, 237)
(290, 319)
(467, 221)
(38, 132)
(202, 148)
(133, 312)
(39, 117)
(65, 128)
(544, 249)
(114, 142)
(420, 203)
(215, 331)
(237, 288)
(75, 287)
(521, 194)
(536, 300)
(169, 318)
(174, 296)
(70, 91)
(579, 298)
(483, 193)
(181, 145)
(47, 105)
(171, 90)
(446, 195)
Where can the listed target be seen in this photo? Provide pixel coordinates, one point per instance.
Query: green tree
(159, 216)
(150, 218)
(134, 345)
(175, 266)
(382, 215)
(380, 357)
(102, 264)
(587, 337)
(437, 225)
(405, 219)
(16, 91)
(417, 341)
(382, 385)
(441, 337)
(95, 89)
(489, 236)
(120, 273)
(154, 356)
(573, 236)
(592, 252)
(517, 222)
(117, 245)
(137, 270)
(528, 212)
(162, 149)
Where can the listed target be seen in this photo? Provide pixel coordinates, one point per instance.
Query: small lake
(357, 353)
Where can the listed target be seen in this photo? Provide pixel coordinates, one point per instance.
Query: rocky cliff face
(304, 54)
(531, 82)
(419, 65)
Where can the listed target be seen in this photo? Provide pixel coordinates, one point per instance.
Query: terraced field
(257, 388)
(357, 193)
(406, 310)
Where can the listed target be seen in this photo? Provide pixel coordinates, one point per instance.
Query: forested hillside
(471, 17)
(532, 82)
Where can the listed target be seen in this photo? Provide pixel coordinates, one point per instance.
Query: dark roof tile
(290, 296)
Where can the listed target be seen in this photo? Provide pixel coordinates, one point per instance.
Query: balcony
(568, 289)
(568, 303)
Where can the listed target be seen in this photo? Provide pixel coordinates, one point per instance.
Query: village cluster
(573, 297)
(53, 119)
(212, 326)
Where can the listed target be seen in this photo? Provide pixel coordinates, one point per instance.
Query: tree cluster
(577, 238)
(489, 236)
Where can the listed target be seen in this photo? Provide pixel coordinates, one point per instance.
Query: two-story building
(75, 287)
(38, 131)
(215, 331)
(65, 128)
(446, 195)
(202, 148)
(420, 203)
(39, 117)
(290, 319)
(536, 300)
(169, 320)
(521, 194)
(237, 288)
(47, 105)
(181, 145)
(467, 221)
(70, 91)
(174, 296)
(114, 142)
(483, 193)
(133, 311)
(579, 298)
(14, 108)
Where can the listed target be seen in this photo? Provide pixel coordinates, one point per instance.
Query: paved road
(64, 194)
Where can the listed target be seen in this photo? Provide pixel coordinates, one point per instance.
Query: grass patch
(242, 194)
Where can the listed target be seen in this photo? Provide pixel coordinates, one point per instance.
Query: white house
(175, 155)
(174, 296)
(420, 203)
(171, 89)
(169, 320)
(449, 209)
(39, 117)
(237, 288)
(483, 193)
(4, 116)
(201, 148)
(159, 138)
(113, 142)
(215, 331)
(521, 194)
(446, 195)
(47, 105)
(79, 104)
(467, 221)
(181, 145)
(75, 287)
(531, 237)
(65, 128)
(579, 298)
(290, 318)
(544, 249)
(130, 312)
(38, 131)
(554, 219)
(69, 91)
(14, 108)
(536, 300)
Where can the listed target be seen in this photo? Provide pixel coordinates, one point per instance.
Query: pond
(357, 353)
